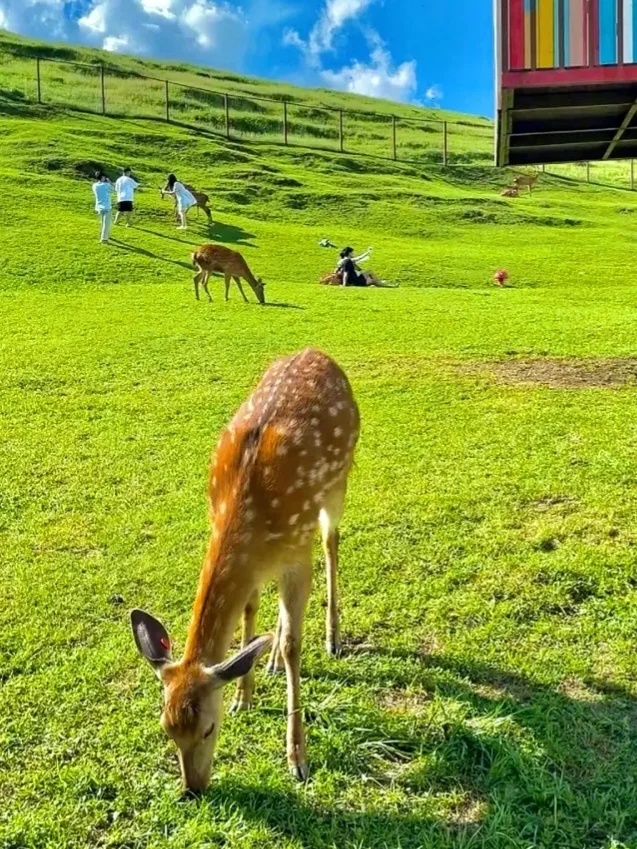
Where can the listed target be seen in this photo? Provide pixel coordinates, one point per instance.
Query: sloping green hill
(487, 692)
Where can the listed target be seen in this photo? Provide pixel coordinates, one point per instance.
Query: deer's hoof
(240, 705)
(300, 772)
(333, 648)
(274, 669)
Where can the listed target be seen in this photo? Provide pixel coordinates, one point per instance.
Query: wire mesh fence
(112, 91)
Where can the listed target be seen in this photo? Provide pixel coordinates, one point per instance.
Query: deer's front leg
(245, 686)
(227, 281)
(295, 591)
(237, 280)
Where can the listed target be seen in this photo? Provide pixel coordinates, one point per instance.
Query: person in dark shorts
(352, 275)
(125, 188)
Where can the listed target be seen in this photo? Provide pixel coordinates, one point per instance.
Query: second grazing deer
(210, 259)
(280, 471)
(201, 198)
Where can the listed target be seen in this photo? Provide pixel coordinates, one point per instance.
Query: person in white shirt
(125, 187)
(185, 199)
(103, 189)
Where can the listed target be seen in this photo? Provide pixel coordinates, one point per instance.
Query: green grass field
(487, 695)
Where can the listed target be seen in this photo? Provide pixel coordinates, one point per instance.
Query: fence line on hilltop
(244, 117)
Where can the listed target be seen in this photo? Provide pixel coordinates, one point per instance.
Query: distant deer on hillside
(202, 199)
(528, 180)
(209, 259)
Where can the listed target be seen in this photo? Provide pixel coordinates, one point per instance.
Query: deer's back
(220, 258)
(287, 447)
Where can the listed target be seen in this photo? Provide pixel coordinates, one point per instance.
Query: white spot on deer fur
(249, 515)
(293, 519)
(282, 450)
(221, 509)
(275, 502)
(314, 422)
(273, 536)
(338, 431)
(333, 411)
(306, 505)
(290, 490)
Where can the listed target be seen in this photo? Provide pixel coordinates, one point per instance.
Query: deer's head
(193, 695)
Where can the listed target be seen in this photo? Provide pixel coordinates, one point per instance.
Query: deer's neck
(249, 276)
(225, 586)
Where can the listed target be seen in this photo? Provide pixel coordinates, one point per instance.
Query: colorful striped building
(567, 79)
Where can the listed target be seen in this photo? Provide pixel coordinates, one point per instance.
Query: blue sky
(425, 51)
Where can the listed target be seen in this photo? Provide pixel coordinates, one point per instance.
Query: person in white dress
(103, 189)
(125, 187)
(185, 199)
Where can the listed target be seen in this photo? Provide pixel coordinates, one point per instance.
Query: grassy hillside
(135, 88)
(487, 694)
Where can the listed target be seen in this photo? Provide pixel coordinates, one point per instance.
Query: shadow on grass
(126, 246)
(292, 816)
(520, 763)
(217, 232)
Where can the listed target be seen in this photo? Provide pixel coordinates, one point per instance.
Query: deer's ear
(240, 663)
(151, 639)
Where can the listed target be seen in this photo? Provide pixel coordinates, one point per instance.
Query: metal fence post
(167, 103)
(393, 122)
(285, 122)
(39, 83)
(445, 143)
(340, 130)
(227, 111)
(103, 90)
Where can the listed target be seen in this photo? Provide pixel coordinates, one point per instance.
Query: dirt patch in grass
(568, 373)
(402, 701)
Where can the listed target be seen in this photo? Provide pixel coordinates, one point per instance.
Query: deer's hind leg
(275, 663)
(237, 280)
(295, 586)
(197, 279)
(330, 519)
(227, 283)
(245, 686)
(205, 280)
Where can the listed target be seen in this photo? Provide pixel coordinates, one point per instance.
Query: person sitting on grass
(185, 199)
(125, 187)
(352, 275)
(103, 189)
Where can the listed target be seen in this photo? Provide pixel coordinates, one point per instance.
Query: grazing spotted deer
(216, 258)
(280, 471)
(202, 201)
(528, 180)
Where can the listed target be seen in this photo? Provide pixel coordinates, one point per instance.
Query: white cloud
(376, 78)
(434, 93)
(210, 32)
(334, 15)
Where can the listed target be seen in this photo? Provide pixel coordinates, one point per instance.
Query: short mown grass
(487, 694)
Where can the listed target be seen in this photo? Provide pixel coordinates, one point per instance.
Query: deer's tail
(195, 260)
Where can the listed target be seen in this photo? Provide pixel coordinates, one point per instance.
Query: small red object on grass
(501, 277)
